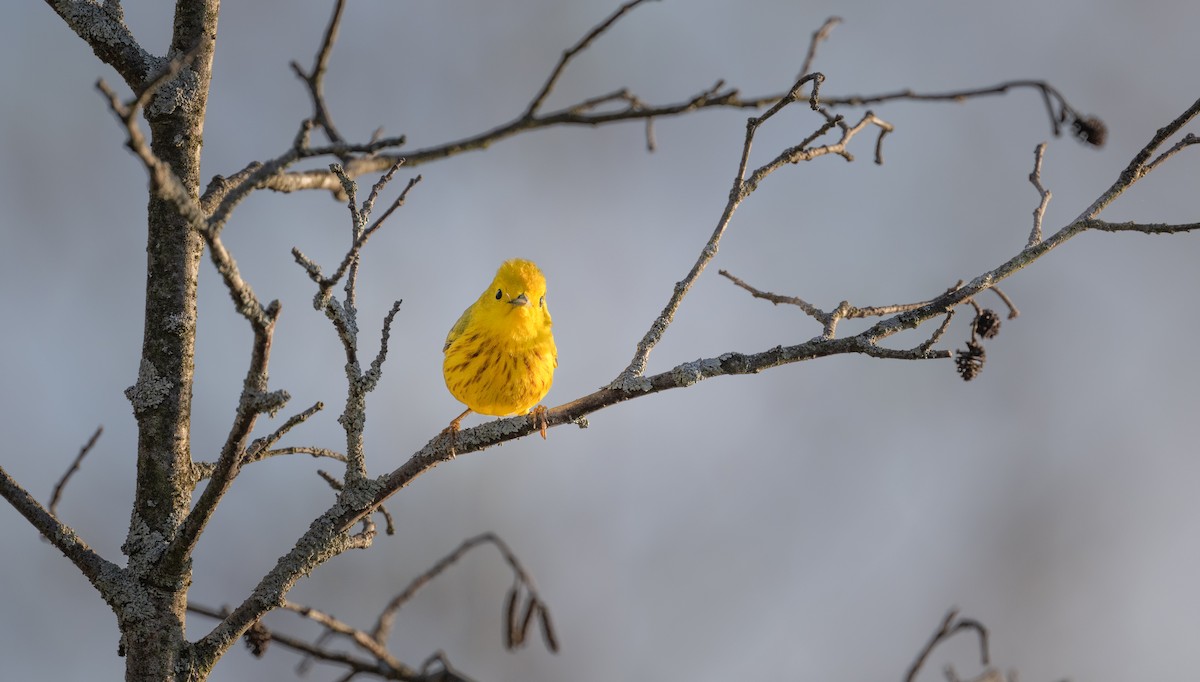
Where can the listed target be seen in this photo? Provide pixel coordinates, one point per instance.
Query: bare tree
(186, 218)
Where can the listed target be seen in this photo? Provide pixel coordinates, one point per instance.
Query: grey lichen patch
(113, 583)
(98, 26)
(179, 322)
(631, 383)
(360, 495)
(136, 605)
(150, 390)
(495, 430)
(143, 546)
(269, 402)
(354, 418)
(732, 363)
(181, 92)
(68, 537)
(690, 373)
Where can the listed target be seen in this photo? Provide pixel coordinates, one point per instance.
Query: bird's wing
(458, 328)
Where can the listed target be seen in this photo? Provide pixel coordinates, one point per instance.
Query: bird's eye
(542, 302)
(499, 294)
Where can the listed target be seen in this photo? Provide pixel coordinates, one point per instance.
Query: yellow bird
(500, 355)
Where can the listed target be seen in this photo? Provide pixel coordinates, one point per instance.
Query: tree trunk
(153, 635)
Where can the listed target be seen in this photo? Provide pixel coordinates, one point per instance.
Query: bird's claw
(539, 419)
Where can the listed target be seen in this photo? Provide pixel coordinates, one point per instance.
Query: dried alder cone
(969, 362)
(1091, 130)
(987, 323)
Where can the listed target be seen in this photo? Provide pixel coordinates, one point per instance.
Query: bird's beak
(520, 300)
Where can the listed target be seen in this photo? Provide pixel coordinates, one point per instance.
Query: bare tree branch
(326, 284)
(324, 539)
(62, 482)
(522, 583)
(584, 114)
(632, 383)
(1138, 168)
(307, 450)
(1039, 213)
(568, 55)
(356, 665)
(103, 28)
(259, 448)
(631, 378)
(105, 575)
(586, 111)
(819, 36)
(314, 79)
(175, 185)
(1058, 109)
(843, 311)
(336, 483)
(344, 314)
(253, 402)
(164, 183)
(950, 626)
(1187, 141)
(361, 639)
(485, 435)
(374, 642)
(1145, 228)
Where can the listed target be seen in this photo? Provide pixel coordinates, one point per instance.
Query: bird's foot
(540, 422)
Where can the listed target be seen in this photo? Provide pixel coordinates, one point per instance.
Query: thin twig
(1187, 141)
(575, 49)
(811, 310)
(1039, 213)
(1058, 109)
(938, 333)
(843, 311)
(583, 114)
(62, 482)
(948, 628)
(818, 37)
(360, 638)
(412, 182)
(375, 667)
(1012, 308)
(314, 79)
(387, 617)
(1144, 228)
(372, 375)
(631, 378)
(361, 234)
(447, 673)
(163, 181)
(344, 316)
(865, 342)
(260, 447)
(306, 450)
(108, 578)
(1137, 168)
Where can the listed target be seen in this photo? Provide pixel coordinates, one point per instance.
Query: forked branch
(523, 605)
(632, 383)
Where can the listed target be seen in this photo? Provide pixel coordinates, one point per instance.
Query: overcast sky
(814, 522)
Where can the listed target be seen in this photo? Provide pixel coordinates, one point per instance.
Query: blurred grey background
(813, 522)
